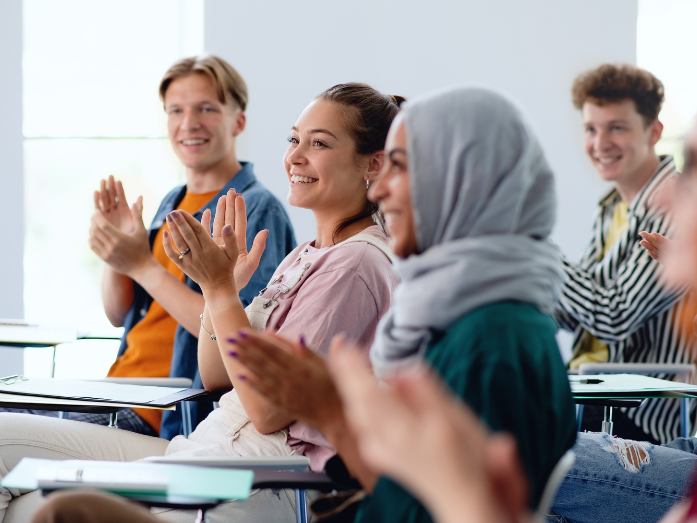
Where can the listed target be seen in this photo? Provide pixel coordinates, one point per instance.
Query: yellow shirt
(593, 350)
(151, 340)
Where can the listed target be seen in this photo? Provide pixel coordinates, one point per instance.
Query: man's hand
(656, 245)
(111, 201)
(125, 247)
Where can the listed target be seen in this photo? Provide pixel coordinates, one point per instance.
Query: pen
(590, 381)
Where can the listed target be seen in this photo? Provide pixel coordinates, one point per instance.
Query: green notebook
(180, 480)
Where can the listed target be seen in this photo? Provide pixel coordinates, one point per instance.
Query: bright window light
(91, 108)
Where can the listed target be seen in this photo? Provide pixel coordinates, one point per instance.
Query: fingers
(258, 247)
(97, 201)
(111, 190)
(206, 220)
(189, 231)
(240, 225)
(230, 246)
(137, 212)
(230, 207)
(104, 196)
(219, 220)
(261, 352)
(120, 194)
(180, 244)
(171, 252)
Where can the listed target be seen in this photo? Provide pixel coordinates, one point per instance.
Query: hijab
(484, 206)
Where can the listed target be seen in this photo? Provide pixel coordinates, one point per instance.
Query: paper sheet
(619, 383)
(183, 481)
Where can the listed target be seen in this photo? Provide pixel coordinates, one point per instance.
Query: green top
(502, 359)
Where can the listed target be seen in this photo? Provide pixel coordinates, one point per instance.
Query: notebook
(19, 332)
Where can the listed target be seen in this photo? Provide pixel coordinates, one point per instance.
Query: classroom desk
(14, 401)
(631, 388)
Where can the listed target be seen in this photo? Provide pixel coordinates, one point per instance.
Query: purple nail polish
(242, 377)
(302, 340)
(231, 340)
(233, 354)
(243, 335)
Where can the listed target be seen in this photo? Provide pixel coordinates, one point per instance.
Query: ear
(240, 122)
(375, 163)
(656, 130)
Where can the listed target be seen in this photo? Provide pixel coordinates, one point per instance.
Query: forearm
(117, 295)
(182, 303)
(228, 317)
(210, 362)
(342, 439)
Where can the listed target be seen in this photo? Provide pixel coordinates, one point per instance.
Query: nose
(602, 141)
(296, 156)
(190, 121)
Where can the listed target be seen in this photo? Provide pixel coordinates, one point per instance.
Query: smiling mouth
(301, 179)
(607, 161)
(196, 141)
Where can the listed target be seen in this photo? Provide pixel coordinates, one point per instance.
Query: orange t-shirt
(151, 340)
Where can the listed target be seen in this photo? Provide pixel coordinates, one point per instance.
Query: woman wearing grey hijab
(468, 200)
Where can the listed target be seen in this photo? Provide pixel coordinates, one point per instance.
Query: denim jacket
(264, 211)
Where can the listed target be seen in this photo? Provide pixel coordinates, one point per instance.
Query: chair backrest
(553, 483)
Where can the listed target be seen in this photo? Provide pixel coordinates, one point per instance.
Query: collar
(665, 169)
(242, 181)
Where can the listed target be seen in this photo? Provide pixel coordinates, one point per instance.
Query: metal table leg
(300, 506)
(607, 420)
(685, 417)
(113, 419)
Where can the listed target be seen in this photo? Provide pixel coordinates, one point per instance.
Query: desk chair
(679, 369)
(553, 483)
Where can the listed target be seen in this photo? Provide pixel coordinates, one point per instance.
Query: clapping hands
(221, 260)
(117, 232)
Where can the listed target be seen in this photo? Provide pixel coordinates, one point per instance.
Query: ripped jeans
(618, 480)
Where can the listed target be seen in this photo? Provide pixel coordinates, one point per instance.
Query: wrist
(145, 270)
(221, 295)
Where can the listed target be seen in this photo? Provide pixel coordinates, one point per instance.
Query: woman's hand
(231, 210)
(656, 245)
(418, 433)
(288, 374)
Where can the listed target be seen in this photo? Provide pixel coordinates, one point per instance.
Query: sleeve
(329, 303)
(267, 214)
(614, 309)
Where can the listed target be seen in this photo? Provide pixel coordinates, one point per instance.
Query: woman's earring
(367, 185)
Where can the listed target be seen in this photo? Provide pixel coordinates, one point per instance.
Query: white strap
(369, 238)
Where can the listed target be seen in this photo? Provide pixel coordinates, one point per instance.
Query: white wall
(11, 182)
(532, 50)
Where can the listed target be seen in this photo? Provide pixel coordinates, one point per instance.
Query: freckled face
(392, 191)
(616, 139)
(320, 162)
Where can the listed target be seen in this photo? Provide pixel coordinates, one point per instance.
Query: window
(666, 47)
(91, 72)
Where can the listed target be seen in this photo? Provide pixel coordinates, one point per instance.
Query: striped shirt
(620, 301)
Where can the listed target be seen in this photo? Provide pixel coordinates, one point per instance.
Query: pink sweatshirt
(346, 290)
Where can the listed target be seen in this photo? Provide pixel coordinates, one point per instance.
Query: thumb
(137, 213)
(258, 247)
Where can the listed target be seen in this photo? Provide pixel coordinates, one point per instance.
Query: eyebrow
(618, 120)
(314, 131)
(392, 152)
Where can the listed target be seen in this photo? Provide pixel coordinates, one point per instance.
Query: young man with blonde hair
(205, 100)
(612, 300)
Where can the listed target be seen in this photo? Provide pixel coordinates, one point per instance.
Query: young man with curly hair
(612, 300)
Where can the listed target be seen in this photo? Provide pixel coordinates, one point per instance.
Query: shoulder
(497, 330)
(360, 256)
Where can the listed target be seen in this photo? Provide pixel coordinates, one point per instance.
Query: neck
(629, 188)
(325, 230)
(213, 177)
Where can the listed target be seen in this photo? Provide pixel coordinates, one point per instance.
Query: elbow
(117, 320)
(267, 423)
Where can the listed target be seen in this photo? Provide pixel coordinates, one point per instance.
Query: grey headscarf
(484, 207)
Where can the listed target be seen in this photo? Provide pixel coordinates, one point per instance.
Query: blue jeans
(618, 480)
